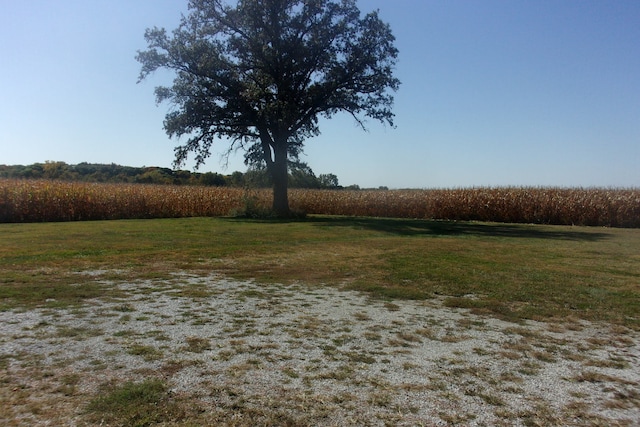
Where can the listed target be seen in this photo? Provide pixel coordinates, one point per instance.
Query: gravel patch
(320, 355)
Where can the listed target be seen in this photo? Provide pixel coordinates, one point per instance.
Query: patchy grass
(134, 404)
(304, 355)
(197, 344)
(511, 271)
(147, 352)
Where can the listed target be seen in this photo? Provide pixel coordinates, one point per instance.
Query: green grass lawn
(511, 271)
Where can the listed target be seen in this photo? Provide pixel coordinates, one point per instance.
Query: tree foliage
(263, 72)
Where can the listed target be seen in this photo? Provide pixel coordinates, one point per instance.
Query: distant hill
(95, 172)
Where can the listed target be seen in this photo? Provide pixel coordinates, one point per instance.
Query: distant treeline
(112, 173)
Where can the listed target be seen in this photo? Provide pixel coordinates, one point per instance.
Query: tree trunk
(280, 178)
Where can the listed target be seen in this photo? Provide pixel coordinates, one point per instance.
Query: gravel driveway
(320, 355)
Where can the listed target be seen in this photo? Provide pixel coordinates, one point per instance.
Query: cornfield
(562, 206)
(33, 201)
(40, 200)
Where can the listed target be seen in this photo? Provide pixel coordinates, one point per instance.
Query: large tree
(261, 74)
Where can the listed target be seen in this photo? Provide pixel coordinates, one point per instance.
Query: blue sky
(494, 93)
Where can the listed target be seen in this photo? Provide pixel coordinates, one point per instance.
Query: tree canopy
(261, 74)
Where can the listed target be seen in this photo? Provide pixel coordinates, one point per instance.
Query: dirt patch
(239, 350)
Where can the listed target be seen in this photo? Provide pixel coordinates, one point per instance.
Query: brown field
(39, 200)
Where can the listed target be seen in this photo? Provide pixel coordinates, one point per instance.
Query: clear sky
(494, 93)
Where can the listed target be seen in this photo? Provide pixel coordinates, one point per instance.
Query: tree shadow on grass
(416, 227)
